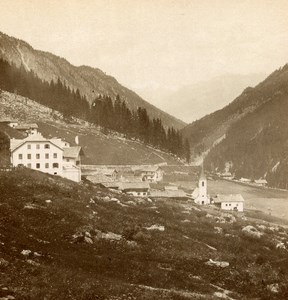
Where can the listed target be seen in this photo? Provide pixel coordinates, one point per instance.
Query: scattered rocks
(221, 264)
(251, 231)
(156, 227)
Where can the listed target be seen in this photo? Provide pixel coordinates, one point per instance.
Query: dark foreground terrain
(61, 240)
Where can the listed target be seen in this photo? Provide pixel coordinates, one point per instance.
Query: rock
(48, 201)
(209, 216)
(33, 263)
(111, 236)
(106, 198)
(251, 231)
(88, 240)
(221, 264)
(218, 229)
(156, 227)
(280, 245)
(149, 200)
(274, 288)
(3, 262)
(185, 221)
(115, 200)
(37, 254)
(91, 201)
(26, 252)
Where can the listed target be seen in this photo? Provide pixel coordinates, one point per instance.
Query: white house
(233, 202)
(200, 194)
(137, 189)
(46, 155)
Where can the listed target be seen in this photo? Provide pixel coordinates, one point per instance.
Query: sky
(148, 44)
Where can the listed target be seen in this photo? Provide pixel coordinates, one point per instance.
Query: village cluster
(56, 156)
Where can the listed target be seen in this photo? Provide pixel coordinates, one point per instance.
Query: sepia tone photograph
(143, 149)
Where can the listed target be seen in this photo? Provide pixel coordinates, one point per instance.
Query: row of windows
(29, 156)
(46, 146)
(47, 166)
(230, 204)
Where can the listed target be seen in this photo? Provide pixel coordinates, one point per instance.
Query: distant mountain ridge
(90, 81)
(250, 134)
(200, 98)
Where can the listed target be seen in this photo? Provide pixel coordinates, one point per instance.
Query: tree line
(111, 115)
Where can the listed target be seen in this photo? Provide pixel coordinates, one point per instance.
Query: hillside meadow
(62, 240)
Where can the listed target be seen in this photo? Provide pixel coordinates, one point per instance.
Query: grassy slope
(144, 264)
(98, 147)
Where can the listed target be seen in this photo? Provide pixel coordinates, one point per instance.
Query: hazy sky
(155, 43)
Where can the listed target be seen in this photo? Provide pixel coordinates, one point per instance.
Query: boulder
(251, 231)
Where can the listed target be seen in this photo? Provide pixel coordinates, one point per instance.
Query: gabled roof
(72, 152)
(26, 126)
(98, 178)
(16, 143)
(168, 194)
(134, 185)
(228, 198)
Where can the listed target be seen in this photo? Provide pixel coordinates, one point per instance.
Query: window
(28, 156)
(37, 156)
(229, 204)
(54, 155)
(46, 155)
(226, 204)
(29, 166)
(47, 146)
(67, 159)
(37, 166)
(138, 194)
(46, 165)
(55, 165)
(37, 146)
(20, 156)
(29, 146)
(203, 183)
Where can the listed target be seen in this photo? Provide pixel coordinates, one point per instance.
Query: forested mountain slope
(250, 133)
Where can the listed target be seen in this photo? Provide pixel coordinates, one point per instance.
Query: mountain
(250, 134)
(90, 81)
(200, 98)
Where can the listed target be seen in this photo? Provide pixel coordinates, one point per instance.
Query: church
(200, 194)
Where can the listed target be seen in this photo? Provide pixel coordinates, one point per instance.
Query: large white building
(52, 156)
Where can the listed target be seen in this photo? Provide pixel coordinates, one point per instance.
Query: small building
(10, 123)
(261, 182)
(137, 189)
(233, 202)
(150, 173)
(72, 163)
(29, 129)
(200, 194)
